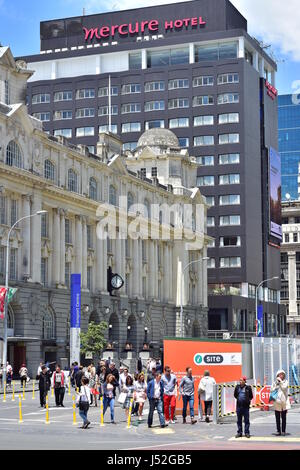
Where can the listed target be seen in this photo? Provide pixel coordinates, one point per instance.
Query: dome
(158, 137)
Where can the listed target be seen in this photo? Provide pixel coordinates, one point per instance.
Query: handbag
(122, 397)
(84, 404)
(273, 395)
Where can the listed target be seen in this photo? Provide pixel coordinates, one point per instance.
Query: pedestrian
(78, 376)
(39, 371)
(243, 395)
(205, 393)
(58, 385)
(123, 377)
(83, 401)
(152, 374)
(1, 375)
(74, 370)
(139, 365)
(280, 393)
(109, 395)
(23, 373)
(140, 394)
(128, 388)
(111, 369)
(155, 394)
(170, 391)
(187, 390)
(44, 385)
(9, 374)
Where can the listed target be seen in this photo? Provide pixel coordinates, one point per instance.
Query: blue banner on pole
(75, 301)
(260, 321)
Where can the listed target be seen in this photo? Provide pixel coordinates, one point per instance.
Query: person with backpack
(243, 395)
(59, 386)
(83, 401)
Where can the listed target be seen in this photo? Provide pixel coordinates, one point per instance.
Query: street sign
(265, 394)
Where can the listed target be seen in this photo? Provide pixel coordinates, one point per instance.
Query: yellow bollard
(52, 392)
(47, 411)
(101, 411)
(69, 392)
(4, 392)
(23, 391)
(74, 411)
(20, 410)
(129, 414)
(33, 391)
(13, 394)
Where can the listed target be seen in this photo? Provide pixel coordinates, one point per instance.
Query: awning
(21, 339)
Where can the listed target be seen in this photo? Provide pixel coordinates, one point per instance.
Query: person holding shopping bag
(280, 396)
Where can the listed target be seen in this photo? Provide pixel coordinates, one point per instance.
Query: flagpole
(6, 287)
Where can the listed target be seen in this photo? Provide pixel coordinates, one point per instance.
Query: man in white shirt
(205, 393)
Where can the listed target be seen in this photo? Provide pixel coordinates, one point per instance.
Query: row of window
(228, 262)
(226, 242)
(224, 159)
(8, 211)
(291, 237)
(223, 180)
(224, 220)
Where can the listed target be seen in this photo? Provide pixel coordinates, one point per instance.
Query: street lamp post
(6, 286)
(256, 299)
(182, 287)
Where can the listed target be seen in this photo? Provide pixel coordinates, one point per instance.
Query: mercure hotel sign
(142, 27)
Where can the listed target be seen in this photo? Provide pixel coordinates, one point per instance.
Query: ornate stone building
(152, 189)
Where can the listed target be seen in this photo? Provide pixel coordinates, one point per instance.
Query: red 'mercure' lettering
(104, 31)
(113, 29)
(153, 25)
(132, 30)
(168, 25)
(122, 29)
(90, 33)
(144, 23)
(186, 21)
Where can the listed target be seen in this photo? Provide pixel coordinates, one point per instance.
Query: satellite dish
(288, 197)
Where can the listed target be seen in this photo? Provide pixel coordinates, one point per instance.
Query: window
(203, 121)
(251, 291)
(230, 241)
(154, 124)
(210, 221)
(131, 88)
(229, 118)
(13, 262)
(295, 237)
(229, 139)
(112, 195)
(154, 86)
(207, 160)
(105, 128)
(154, 106)
(205, 181)
(178, 103)
(230, 200)
(131, 108)
(6, 92)
(44, 225)
(131, 127)
(203, 100)
(63, 96)
(41, 98)
(229, 159)
(48, 325)
(230, 262)
(178, 83)
(143, 173)
(89, 237)
(3, 203)
(225, 78)
(13, 155)
(228, 98)
(44, 271)
(210, 200)
(85, 112)
(216, 51)
(49, 170)
(13, 211)
(103, 91)
(85, 93)
(180, 122)
(204, 140)
(129, 146)
(211, 263)
(203, 81)
(249, 56)
(183, 141)
(68, 231)
(154, 172)
(67, 274)
(229, 179)
(85, 131)
(63, 132)
(58, 115)
(89, 277)
(91, 148)
(130, 202)
(284, 293)
(230, 220)
(72, 181)
(135, 61)
(164, 57)
(93, 189)
(287, 238)
(104, 110)
(44, 117)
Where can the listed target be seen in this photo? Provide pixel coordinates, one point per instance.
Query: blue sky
(267, 20)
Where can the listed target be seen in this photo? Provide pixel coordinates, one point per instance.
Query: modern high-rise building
(196, 70)
(289, 144)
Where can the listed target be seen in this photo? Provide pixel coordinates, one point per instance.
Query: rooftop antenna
(109, 104)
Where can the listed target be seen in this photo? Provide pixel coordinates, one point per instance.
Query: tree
(93, 340)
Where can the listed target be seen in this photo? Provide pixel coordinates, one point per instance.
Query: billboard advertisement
(222, 359)
(275, 194)
(75, 317)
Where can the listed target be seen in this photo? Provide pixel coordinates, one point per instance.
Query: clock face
(116, 281)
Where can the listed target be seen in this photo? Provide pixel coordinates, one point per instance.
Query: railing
(246, 335)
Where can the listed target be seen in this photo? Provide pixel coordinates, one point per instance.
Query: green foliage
(94, 339)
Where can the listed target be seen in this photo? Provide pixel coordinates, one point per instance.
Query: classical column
(99, 262)
(151, 269)
(155, 261)
(200, 280)
(26, 236)
(78, 245)
(36, 240)
(62, 254)
(135, 274)
(84, 252)
(56, 247)
(166, 273)
(140, 268)
(171, 295)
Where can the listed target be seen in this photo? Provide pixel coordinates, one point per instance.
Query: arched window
(72, 181)
(48, 325)
(49, 170)
(10, 318)
(147, 212)
(93, 189)
(112, 195)
(13, 155)
(130, 201)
